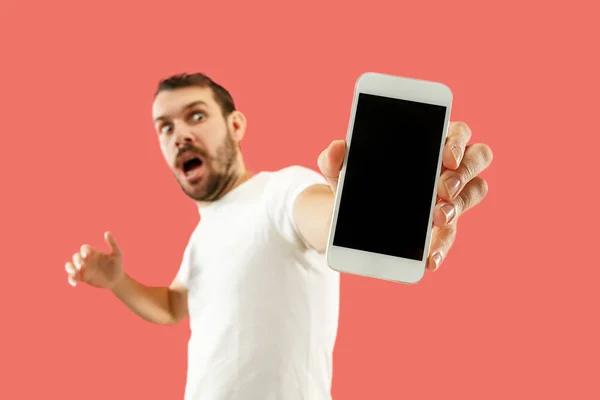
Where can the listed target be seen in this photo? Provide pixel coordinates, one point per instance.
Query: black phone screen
(390, 176)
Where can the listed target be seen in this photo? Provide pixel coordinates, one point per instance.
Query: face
(200, 145)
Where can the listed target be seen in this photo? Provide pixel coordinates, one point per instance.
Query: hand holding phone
(383, 211)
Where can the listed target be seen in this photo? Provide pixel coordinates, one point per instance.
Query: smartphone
(383, 210)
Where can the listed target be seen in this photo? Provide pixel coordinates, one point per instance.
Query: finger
(445, 213)
(331, 160)
(77, 262)
(71, 273)
(70, 268)
(458, 136)
(472, 194)
(112, 243)
(476, 159)
(442, 240)
(86, 251)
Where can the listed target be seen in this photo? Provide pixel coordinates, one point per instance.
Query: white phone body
(383, 211)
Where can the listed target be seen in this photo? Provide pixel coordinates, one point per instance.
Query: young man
(262, 302)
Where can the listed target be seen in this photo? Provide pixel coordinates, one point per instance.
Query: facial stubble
(220, 174)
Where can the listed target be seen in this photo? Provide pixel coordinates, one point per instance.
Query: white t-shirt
(263, 306)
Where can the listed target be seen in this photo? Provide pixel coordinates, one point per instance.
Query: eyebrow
(187, 107)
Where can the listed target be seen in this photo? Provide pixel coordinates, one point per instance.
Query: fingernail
(452, 185)
(457, 154)
(449, 212)
(437, 260)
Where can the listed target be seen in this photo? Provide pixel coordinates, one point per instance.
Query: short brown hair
(221, 95)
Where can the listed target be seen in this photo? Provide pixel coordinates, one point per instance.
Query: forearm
(154, 304)
(313, 211)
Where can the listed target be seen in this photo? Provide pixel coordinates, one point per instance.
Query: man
(262, 302)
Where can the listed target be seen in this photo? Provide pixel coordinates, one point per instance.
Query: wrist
(118, 283)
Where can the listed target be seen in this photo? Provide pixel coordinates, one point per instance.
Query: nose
(183, 135)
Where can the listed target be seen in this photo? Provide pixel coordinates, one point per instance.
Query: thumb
(112, 243)
(331, 160)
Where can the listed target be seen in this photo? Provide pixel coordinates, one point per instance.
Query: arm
(313, 210)
(159, 305)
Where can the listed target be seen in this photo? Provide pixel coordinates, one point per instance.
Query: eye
(197, 116)
(166, 128)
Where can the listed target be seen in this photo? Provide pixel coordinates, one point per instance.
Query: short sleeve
(284, 188)
(183, 274)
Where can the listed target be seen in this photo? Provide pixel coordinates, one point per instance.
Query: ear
(237, 125)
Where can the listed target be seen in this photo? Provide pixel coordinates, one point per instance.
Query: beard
(220, 172)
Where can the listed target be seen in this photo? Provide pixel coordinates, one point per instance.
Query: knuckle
(483, 187)
(462, 128)
(478, 189)
(448, 238)
(486, 154)
(480, 156)
(474, 193)
(322, 154)
(467, 171)
(461, 203)
(321, 159)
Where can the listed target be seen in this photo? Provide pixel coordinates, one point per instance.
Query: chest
(235, 254)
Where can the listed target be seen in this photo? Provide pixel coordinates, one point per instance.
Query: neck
(236, 180)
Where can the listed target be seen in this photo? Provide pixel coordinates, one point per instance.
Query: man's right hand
(98, 269)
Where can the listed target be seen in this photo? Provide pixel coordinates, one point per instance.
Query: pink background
(513, 313)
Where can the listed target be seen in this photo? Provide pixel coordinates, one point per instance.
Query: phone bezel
(374, 265)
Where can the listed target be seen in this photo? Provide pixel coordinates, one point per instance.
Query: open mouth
(191, 164)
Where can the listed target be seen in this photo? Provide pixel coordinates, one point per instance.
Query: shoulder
(186, 261)
(284, 187)
(295, 170)
(294, 177)
(287, 184)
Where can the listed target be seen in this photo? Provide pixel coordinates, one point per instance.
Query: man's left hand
(459, 188)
